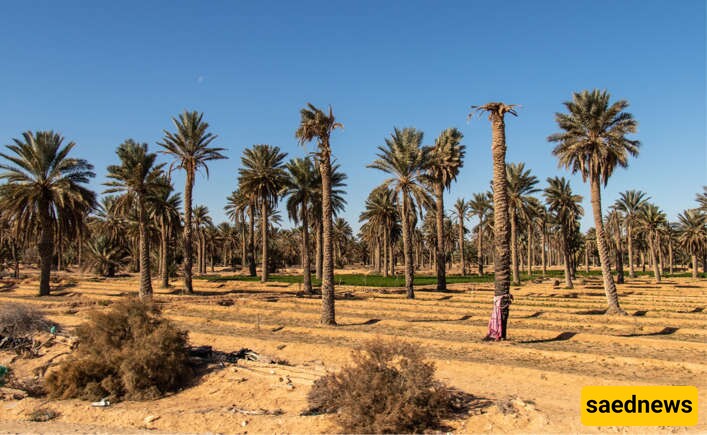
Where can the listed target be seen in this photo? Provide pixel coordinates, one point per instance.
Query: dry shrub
(389, 388)
(129, 352)
(19, 320)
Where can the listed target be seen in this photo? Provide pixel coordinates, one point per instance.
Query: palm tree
(300, 188)
(314, 123)
(481, 206)
(520, 185)
(461, 209)
(613, 220)
(692, 234)
(138, 179)
(502, 257)
(406, 161)
(652, 219)
(44, 186)
(566, 208)
(237, 205)
(630, 204)
(189, 146)
(337, 204)
(201, 221)
(381, 212)
(263, 177)
(446, 157)
(593, 142)
(164, 211)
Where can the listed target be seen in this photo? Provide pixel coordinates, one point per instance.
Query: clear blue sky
(101, 72)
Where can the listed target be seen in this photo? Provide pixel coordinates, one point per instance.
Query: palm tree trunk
(694, 265)
(164, 266)
(264, 239)
(461, 244)
(629, 237)
(407, 249)
(244, 242)
(251, 240)
(306, 270)
(502, 255)
(79, 249)
(530, 249)
(188, 238)
(619, 257)
(441, 257)
(654, 259)
(480, 246)
(670, 255)
(318, 251)
(543, 254)
(566, 257)
(612, 296)
(145, 277)
(328, 313)
(386, 255)
(514, 246)
(45, 247)
(15, 260)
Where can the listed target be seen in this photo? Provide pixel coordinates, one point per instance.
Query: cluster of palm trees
(47, 212)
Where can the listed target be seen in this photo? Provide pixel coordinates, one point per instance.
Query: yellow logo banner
(639, 406)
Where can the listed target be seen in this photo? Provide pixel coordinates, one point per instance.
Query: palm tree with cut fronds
(43, 186)
(692, 234)
(190, 148)
(593, 142)
(566, 210)
(502, 256)
(630, 203)
(137, 179)
(446, 158)
(406, 161)
(262, 177)
(316, 124)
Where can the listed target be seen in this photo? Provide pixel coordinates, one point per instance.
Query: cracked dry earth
(559, 341)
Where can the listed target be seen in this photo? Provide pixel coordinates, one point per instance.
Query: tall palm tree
(566, 209)
(461, 210)
(651, 220)
(406, 161)
(630, 204)
(521, 184)
(164, 211)
(381, 211)
(481, 206)
(237, 205)
(593, 142)
(502, 283)
(300, 188)
(189, 147)
(692, 234)
(263, 176)
(43, 186)
(446, 157)
(137, 179)
(314, 123)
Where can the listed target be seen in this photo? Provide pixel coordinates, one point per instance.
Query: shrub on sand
(129, 352)
(389, 388)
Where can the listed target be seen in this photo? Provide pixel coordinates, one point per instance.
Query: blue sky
(101, 72)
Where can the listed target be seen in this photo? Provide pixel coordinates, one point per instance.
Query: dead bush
(129, 352)
(42, 415)
(389, 388)
(20, 320)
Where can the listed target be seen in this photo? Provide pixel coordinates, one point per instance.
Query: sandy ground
(559, 342)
